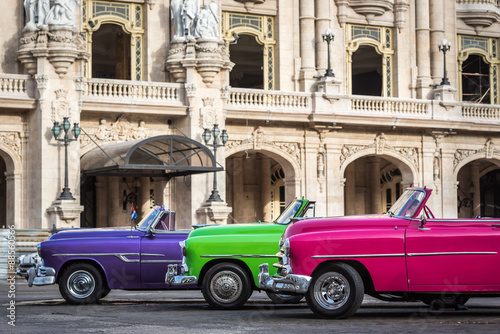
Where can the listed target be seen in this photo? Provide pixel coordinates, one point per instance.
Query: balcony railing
(478, 2)
(13, 84)
(481, 112)
(389, 106)
(132, 90)
(255, 98)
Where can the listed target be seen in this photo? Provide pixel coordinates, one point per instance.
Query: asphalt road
(42, 310)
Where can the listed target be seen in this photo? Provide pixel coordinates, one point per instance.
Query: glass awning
(161, 156)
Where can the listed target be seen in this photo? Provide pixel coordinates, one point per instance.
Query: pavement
(42, 310)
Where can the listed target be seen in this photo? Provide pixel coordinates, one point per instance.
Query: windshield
(290, 212)
(408, 203)
(144, 224)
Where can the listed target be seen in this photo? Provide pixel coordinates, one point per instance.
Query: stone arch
(405, 165)
(290, 165)
(13, 175)
(495, 159)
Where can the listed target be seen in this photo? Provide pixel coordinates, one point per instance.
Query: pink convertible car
(405, 254)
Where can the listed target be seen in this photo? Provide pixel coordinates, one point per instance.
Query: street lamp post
(328, 36)
(56, 131)
(444, 46)
(207, 134)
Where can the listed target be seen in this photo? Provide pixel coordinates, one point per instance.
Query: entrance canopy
(161, 156)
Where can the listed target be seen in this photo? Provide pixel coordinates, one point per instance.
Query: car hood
(83, 233)
(255, 228)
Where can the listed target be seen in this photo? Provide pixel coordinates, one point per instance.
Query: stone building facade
(130, 70)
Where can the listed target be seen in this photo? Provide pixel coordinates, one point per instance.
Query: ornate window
(478, 83)
(262, 29)
(380, 40)
(128, 16)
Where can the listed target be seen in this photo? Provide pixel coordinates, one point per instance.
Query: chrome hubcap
(81, 284)
(226, 286)
(331, 290)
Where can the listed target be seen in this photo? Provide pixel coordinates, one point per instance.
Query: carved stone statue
(63, 13)
(176, 15)
(206, 21)
(189, 11)
(36, 12)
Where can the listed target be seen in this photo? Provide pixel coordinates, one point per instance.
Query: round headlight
(286, 247)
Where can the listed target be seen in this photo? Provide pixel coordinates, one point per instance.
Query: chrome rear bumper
(172, 279)
(297, 284)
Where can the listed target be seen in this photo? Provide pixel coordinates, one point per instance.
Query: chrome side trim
(240, 255)
(146, 254)
(355, 256)
(159, 261)
(452, 253)
(122, 256)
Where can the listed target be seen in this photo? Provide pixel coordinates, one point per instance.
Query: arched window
(366, 71)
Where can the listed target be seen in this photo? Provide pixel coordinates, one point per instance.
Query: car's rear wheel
(226, 286)
(81, 283)
(278, 298)
(335, 291)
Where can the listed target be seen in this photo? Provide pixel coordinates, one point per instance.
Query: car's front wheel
(81, 283)
(335, 291)
(278, 298)
(226, 286)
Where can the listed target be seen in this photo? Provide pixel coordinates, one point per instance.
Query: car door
(453, 255)
(159, 248)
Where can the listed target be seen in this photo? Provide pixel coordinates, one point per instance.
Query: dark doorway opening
(88, 200)
(475, 80)
(366, 71)
(111, 53)
(247, 55)
(490, 194)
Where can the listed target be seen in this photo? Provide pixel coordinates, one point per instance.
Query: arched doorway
(490, 194)
(373, 183)
(246, 54)
(259, 185)
(367, 71)
(111, 53)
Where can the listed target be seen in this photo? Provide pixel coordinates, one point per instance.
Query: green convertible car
(224, 259)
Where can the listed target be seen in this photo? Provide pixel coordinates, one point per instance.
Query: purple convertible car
(88, 263)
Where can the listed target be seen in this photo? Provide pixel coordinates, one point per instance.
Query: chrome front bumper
(297, 284)
(172, 279)
(39, 276)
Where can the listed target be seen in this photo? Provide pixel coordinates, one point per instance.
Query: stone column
(114, 203)
(436, 14)
(334, 190)
(350, 190)
(375, 185)
(159, 186)
(307, 41)
(476, 198)
(322, 23)
(14, 203)
(143, 198)
(449, 185)
(238, 193)
(423, 59)
(101, 193)
(266, 189)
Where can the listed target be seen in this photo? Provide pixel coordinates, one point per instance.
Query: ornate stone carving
(461, 155)
(119, 131)
(436, 169)
(372, 8)
(60, 106)
(488, 150)
(409, 153)
(190, 90)
(400, 7)
(249, 4)
(258, 140)
(348, 150)
(380, 140)
(12, 140)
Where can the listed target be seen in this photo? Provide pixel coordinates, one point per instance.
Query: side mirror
(151, 232)
(422, 223)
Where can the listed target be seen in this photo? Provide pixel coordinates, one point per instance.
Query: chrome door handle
(495, 225)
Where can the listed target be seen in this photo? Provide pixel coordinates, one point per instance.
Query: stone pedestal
(65, 213)
(328, 86)
(445, 93)
(214, 213)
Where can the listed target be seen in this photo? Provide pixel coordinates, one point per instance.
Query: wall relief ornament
(119, 131)
(488, 150)
(12, 140)
(60, 106)
(258, 139)
(380, 145)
